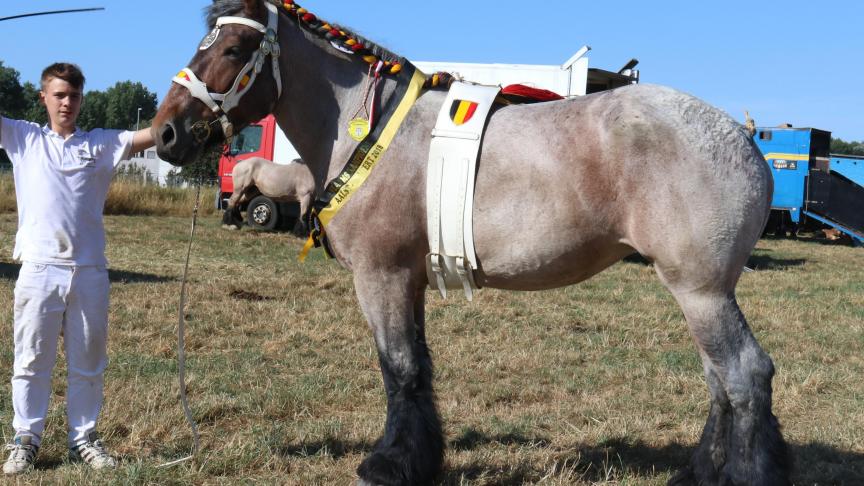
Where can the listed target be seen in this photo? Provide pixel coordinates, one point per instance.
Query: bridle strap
(222, 103)
(242, 21)
(199, 90)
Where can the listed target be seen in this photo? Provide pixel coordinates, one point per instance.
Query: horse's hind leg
(412, 448)
(741, 443)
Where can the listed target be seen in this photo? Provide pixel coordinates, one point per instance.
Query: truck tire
(262, 214)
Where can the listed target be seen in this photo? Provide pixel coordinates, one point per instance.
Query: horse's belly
(540, 272)
(532, 250)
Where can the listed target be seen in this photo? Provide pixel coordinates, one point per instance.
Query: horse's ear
(252, 8)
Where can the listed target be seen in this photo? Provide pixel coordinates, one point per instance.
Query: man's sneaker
(22, 455)
(92, 453)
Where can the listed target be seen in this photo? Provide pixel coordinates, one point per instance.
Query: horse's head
(237, 60)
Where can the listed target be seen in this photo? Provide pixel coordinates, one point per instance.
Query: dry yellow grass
(129, 197)
(7, 193)
(592, 384)
(135, 199)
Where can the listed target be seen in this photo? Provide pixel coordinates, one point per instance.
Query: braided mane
(344, 39)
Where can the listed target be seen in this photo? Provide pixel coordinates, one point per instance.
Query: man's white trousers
(50, 300)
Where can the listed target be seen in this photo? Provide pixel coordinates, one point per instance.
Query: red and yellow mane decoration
(339, 37)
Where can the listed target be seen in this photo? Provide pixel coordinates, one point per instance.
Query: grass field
(597, 383)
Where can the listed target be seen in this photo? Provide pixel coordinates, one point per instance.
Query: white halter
(222, 103)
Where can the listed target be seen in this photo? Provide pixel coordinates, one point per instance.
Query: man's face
(63, 102)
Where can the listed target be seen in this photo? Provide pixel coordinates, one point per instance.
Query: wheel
(262, 214)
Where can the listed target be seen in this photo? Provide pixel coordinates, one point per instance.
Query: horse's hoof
(381, 470)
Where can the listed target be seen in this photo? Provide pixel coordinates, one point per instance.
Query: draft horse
(599, 177)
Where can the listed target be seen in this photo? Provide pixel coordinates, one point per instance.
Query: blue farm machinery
(810, 182)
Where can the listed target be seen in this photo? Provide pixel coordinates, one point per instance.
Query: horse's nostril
(167, 134)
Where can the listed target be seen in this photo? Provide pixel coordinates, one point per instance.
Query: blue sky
(793, 61)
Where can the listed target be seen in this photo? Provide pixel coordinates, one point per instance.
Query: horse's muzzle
(166, 143)
(177, 145)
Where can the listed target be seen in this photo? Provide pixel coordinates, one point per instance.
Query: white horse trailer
(573, 78)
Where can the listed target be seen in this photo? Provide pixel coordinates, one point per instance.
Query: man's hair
(67, 72)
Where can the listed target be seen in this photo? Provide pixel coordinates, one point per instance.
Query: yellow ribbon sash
(370, 159)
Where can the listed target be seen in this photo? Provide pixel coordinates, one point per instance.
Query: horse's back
(591, 179)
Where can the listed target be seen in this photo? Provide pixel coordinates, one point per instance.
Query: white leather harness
(450, 187)
(222, 103)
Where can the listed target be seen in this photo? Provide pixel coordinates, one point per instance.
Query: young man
(62, 176)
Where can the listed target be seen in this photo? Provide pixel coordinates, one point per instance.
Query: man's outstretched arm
(142, 140)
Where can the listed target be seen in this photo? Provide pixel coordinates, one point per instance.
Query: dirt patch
(246, 295)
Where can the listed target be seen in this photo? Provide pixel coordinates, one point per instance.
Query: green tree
(123, 101)
(839, 146)
(35, 111)
(93, 110)
(13, 103)
(205, 168)
(17, 100)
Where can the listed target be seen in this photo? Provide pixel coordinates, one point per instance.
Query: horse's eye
(233, 51)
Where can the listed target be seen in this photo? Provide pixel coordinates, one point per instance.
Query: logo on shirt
(85, 157)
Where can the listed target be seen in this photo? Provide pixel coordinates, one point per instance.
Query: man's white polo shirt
(61, 186)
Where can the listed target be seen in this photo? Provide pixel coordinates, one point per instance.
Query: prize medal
(358, 129)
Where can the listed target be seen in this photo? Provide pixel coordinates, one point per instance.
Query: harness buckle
(435, 265)
(463, 269)
(271, 37)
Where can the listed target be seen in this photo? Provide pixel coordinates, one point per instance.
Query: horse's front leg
(231, 218)
(411, 450)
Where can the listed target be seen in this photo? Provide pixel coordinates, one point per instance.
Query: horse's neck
(322, 92)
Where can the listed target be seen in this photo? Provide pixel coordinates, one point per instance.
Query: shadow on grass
(330, 447)
(766, 262)
(125, 276)
(817, 463)
(814, 463)
(470, 439)
(755, 262)
(637, 258)
(614, 459)
(9, 271)
(48, 463)
(813, 238)
(592, 463)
